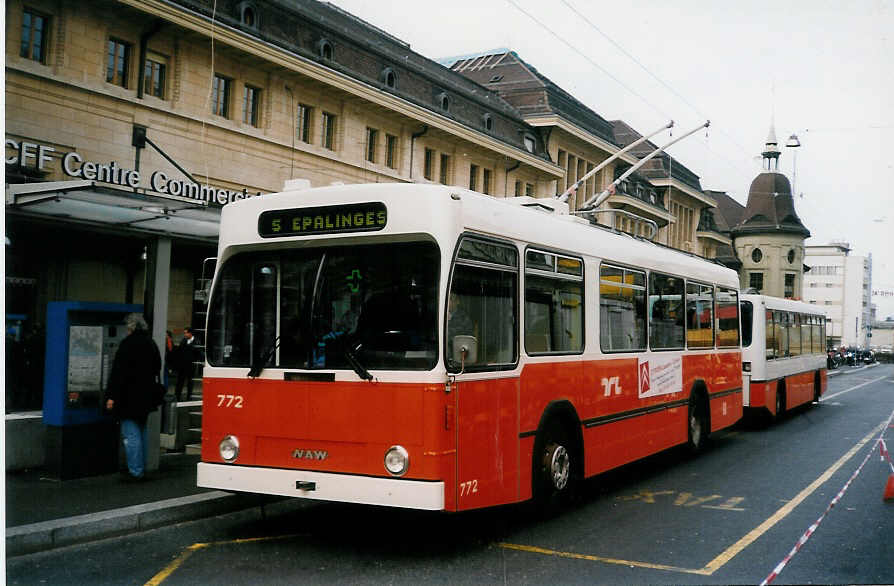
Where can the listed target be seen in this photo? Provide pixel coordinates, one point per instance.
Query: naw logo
(644, 384)
(310, 454)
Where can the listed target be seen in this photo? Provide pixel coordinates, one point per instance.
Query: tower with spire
(769, 239)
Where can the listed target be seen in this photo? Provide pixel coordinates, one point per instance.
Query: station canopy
(93, 203)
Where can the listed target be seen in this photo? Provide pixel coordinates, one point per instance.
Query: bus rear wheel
(697, 424)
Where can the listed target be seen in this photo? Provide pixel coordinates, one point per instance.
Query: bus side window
(771, 336)
(699, 316)
(794, 337)
(666, 312)
(782, 326)
(622, 309)
(727, 319)
(553, 303)
(482, 304)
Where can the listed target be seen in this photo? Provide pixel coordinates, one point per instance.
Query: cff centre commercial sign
(40, 157)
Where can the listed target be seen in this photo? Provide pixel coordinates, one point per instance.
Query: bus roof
(445, 212)
(779, 303)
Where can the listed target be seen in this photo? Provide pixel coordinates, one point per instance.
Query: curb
(836, 372)
(57, 533)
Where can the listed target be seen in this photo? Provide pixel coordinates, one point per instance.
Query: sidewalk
(43, 513)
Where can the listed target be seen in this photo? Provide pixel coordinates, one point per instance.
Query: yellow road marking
(783, 511)
(172, 567)
(596, 558)
(731, 551)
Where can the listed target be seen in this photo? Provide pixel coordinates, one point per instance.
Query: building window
(325, 49)
(488, 121)
(789, 285)
(518, 188)
(118, 62)
(220, 96)
(429, 164)
(529, 189)
(328, 131)
(251, 102)
(473, 177)
(529, 143)
(791, 256)
(35, 30)
(304, 123)
(391, 151)
(154, 75)
(248, 15)
(389, 78)
(756, 281)
(372, 137)
(444, 102)
(486, 182)
(445, 169)
(757, 255)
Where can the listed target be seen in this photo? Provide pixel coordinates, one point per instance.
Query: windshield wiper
(258, 366)
(355, 364)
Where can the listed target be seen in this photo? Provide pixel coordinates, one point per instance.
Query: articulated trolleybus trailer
(783, 354)
(430, 347)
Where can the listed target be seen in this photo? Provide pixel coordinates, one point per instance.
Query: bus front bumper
(368, 490)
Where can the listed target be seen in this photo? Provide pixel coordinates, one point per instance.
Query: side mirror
(464, 350)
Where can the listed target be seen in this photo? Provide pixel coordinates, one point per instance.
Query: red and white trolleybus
(783, 353)
(431, 347)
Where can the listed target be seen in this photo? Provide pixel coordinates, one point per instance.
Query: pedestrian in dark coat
(133, 390)
(187, 356)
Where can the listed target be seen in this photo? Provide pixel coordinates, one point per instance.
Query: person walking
(133, 390)
(186, 358)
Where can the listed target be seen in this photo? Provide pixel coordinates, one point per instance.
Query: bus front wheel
(780, 400)
(554, 467)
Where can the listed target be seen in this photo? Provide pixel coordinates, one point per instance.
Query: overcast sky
(821, 70)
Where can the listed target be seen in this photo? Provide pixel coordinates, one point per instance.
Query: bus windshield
(327, 308)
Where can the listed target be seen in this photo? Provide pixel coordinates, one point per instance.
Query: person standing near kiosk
(133, 390)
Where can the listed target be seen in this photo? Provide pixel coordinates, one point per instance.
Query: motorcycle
(833, 359)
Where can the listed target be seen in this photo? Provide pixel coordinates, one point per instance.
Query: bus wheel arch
(558, 457)
(780, 399)
(698, 420)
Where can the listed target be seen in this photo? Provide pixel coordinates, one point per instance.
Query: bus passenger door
(487, 440)
(482, 354)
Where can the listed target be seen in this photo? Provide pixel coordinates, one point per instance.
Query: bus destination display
(358, 217)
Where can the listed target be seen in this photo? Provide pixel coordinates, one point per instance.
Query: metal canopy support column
(158, 282)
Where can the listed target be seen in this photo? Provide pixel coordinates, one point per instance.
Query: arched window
(488, 121)
(757, 255)
(444, 101)
(248, 14)
(389, 78)
(325, 49)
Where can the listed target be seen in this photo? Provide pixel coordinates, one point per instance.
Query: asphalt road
(728, 516)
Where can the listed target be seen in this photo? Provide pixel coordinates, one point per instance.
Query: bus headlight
(397, 460)
(229, 448)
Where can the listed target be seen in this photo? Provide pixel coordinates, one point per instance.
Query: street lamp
(793, 143)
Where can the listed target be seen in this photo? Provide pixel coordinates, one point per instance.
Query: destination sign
(356, 217)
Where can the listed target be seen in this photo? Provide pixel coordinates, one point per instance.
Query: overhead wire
(655, 107)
